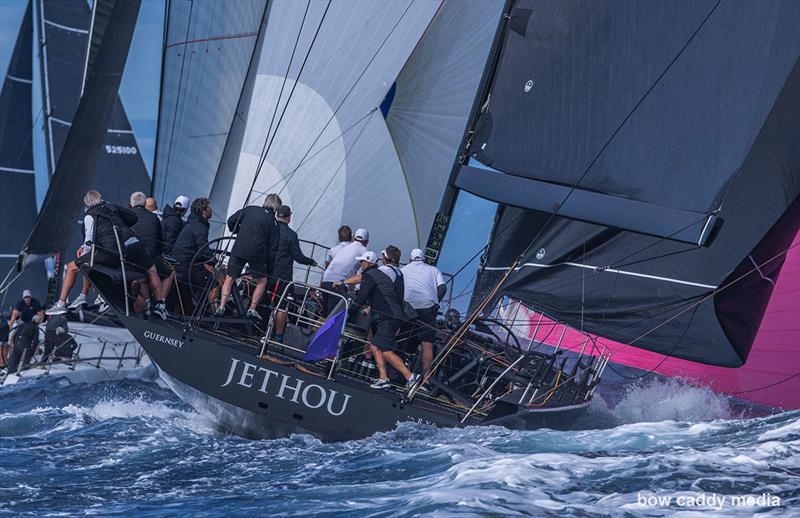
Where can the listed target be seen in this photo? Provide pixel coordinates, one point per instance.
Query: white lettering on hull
(174, 342)
(292, 389)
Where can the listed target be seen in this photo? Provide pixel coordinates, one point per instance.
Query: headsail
(332, 158)
(83, 143)
(208, 49)
(17, 180)
(653, 118)
(427, 109)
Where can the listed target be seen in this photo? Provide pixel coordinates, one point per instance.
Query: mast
(441, 221)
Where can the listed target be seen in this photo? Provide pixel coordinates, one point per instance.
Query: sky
(472, 218)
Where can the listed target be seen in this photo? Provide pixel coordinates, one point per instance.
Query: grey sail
(427, 108)
(17, 175)
(207, 52)
(682, 130)
(88, 140)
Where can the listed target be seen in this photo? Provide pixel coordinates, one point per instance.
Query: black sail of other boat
(17, 175)
(654, 153)
(84, 137)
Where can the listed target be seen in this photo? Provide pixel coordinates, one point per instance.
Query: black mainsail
(624, 133)
(17, 175)
(90, 138)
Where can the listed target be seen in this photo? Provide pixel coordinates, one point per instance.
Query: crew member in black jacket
(193, 239)
(149, 231)
(172, 222)
(289, 250)
(255, 246)
(105, 217)
(382, 289)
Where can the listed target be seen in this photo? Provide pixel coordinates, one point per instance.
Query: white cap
(182, 202)
(369, 256)
(417, 255)
(26, 293)
(362, 235)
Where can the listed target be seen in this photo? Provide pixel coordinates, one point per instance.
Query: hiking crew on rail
(264, 250)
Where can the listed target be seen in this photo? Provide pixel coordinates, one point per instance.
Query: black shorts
(384, 335)
(164, 268)
(100, 257)
(198, 279)
(137, 257)
(421, 329)
(256, 270)
(330, 301)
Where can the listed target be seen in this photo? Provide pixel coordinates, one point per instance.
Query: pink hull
(771, 374)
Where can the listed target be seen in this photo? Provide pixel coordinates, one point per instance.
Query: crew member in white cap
(343, 265)
(384, 295)
(172, 222)
(27, 310)
(424, 289)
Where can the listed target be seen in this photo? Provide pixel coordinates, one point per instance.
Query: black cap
(284, 211)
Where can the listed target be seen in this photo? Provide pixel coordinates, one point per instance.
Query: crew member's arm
(441, 288)
(88, 226)
(350, 281)
(297, 252)
(233, 221)
(14, 316)
(362, 296)
(128, 216)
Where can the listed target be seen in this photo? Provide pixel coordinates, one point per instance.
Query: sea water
(131, 448)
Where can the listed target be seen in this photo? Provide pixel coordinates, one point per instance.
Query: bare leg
(261, 287)
(142, 297)
(280, 322)
(226, 291)
(166, 286)
(378, 355)
(86, 285)
(397, 363)
(155, 282)
(69, 280)
(427, 356)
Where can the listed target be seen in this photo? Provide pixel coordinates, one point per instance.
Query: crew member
(26, 309)
(152, 205)
(289, 250)
(25, 341)
(424, 290)
(172, 222)
(345, 238)
(288, 253)
(383, 292)
(193, 239)
(256, 242)
(105, 218)
(149, 232)
(342, 266)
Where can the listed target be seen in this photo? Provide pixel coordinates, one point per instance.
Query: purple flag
(325, 343)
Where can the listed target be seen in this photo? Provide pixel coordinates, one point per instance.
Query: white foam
(671, 399)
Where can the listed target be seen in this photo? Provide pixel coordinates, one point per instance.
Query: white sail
(207, 52)
(350, 173)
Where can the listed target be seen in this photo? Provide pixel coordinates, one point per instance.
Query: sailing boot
(79, 301)
(59, 308)
(161, 310)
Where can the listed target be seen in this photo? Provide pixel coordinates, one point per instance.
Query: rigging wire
(336, 172)
(177, 101)
(350, 91)
(268, 142)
